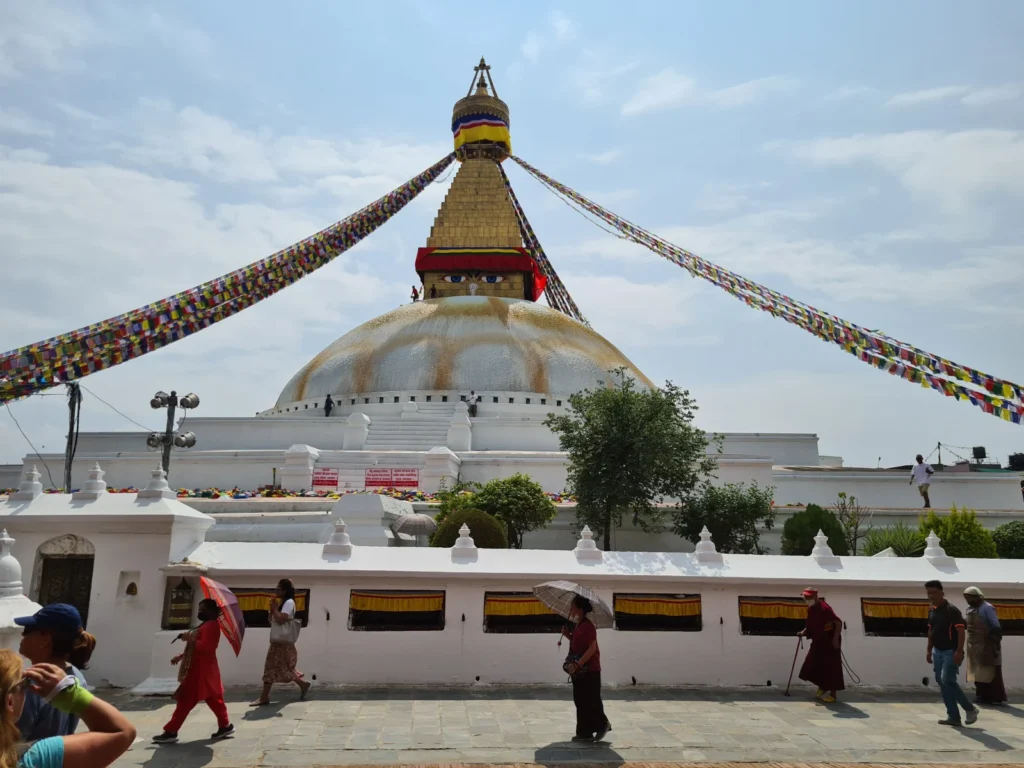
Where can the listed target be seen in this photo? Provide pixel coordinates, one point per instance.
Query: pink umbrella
(232, 624)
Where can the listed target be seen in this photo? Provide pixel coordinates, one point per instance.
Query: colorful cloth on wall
(658, 605)
(96, 347)
(396, 602)
(992, 395)
(557, 293)
(773, 608)
(481, 127)
(515, 605)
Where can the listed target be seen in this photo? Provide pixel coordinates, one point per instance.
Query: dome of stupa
(462, 343)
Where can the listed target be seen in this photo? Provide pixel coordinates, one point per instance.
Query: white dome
(458, 344)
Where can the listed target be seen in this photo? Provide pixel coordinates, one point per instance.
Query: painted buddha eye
(493, 278)
(454, 278)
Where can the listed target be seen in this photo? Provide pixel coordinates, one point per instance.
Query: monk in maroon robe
(823, 665)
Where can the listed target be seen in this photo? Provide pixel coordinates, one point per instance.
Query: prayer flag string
(96, 347)
(1001, 398)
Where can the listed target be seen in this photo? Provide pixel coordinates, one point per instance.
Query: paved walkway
(430, 726)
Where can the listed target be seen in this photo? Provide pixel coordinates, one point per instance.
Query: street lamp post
(168, 439)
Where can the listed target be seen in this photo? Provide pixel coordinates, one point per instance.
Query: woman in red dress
(200, 680)
(824, 663)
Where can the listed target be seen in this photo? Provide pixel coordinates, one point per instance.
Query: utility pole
(940, 454)
(168, 439)
(74, 415)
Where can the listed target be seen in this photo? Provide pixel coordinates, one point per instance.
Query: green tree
(855, 519)
(960, 533)
(734, 514)
(799, 531)
(487, 531)
(904, 540)
(1009, 539)
(630, 449)
(518, 502)
(459, 496)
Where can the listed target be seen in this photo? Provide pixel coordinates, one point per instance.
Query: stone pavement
(500, 725)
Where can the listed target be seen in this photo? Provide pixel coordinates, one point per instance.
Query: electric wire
(27, 440)
(129, 418)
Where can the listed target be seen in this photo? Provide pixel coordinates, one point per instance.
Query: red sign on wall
(325, 478)
(391, 478)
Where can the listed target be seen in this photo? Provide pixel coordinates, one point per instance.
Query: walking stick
(799, 645)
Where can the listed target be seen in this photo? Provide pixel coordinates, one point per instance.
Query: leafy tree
(459, 496)
(855, 519)
(799, 531)
(904, 540)
(733, 514)
(630, 449)
(1009, 539)
(960, 533)
(518, 502)
(487, 531)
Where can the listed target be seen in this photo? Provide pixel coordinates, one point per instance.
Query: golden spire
(481, 120)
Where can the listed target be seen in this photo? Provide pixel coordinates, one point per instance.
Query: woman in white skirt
(282, 657)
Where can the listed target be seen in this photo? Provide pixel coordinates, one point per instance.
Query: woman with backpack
(282, 657)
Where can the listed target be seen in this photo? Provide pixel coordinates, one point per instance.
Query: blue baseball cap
(59, 617)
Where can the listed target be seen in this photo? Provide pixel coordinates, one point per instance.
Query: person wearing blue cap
(53, 635)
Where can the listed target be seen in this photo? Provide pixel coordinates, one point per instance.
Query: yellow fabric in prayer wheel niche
(1007, 611)
(515, 606)
(657, 605)
(408, 602)
(895, 609)
(259, 599)
(773, 609)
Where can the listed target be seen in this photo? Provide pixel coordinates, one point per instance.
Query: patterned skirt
(280, 664)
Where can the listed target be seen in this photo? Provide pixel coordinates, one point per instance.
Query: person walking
(199, 676)
(984, 649)
(282, 657)
(328, 406)
(584, 667)
(823, 665)
(53, 635)
(415, 294)
(474, 398)
(921, 473)
(946, 637)
(110, 734)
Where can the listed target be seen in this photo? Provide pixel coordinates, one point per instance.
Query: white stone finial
(586, 547)
(934, 552)
(705, 550)
(157, 487)
(30, 487)
(464, 546)
(340, 543)
(94, 487)
(10, 569)
(822, 552)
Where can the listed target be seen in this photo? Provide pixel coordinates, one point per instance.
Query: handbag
(285, 633)
(573, 658)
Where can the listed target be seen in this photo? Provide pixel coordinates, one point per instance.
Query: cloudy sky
(865, 158)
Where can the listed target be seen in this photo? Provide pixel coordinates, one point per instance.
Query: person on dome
(984, 649)
(474, 398)
(199, 676)
(415, 295)
(433, 295)
(823, 665)
(328, 406)
(53, 635)
(921, 473)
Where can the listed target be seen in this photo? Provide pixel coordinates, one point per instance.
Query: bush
(1009, 539)
(799, 531)
(904, 540)
(734, 514)
(960, 533)
(459, 496)
(519, 503)
(487, 531)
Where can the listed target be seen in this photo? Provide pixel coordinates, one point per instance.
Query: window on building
(428, 398)
(306, 407)
(412, 398)
(396, 398)
(558, 403)
(352, 401)
(380, 399)
(444, 398)
(898, 617)
(658, 613)
(395, 611)
(511, 400)
(527, 401)
(316, 405)
(1011, 615)
(494, 399)
(518, 613)
(772, 615)
(543, 401)
(255, 605)
(366, 401)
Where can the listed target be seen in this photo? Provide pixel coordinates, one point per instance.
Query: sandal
(260, 703)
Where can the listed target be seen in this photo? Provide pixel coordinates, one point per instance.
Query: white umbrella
(558, 595)
(414, 525)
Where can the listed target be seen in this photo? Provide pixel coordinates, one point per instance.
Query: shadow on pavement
(561, 752)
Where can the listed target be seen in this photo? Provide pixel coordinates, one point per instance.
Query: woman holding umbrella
(200, 675)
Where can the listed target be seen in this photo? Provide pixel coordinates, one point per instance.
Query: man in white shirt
(922, 475)
(474, 398)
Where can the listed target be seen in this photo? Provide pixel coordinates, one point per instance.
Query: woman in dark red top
(586, 674)
(824, 663)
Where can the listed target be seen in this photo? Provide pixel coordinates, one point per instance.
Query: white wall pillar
(460, 430)
(357, 427)
(297, 472)
(440, 464)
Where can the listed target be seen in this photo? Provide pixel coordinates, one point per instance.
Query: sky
(865, 158)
